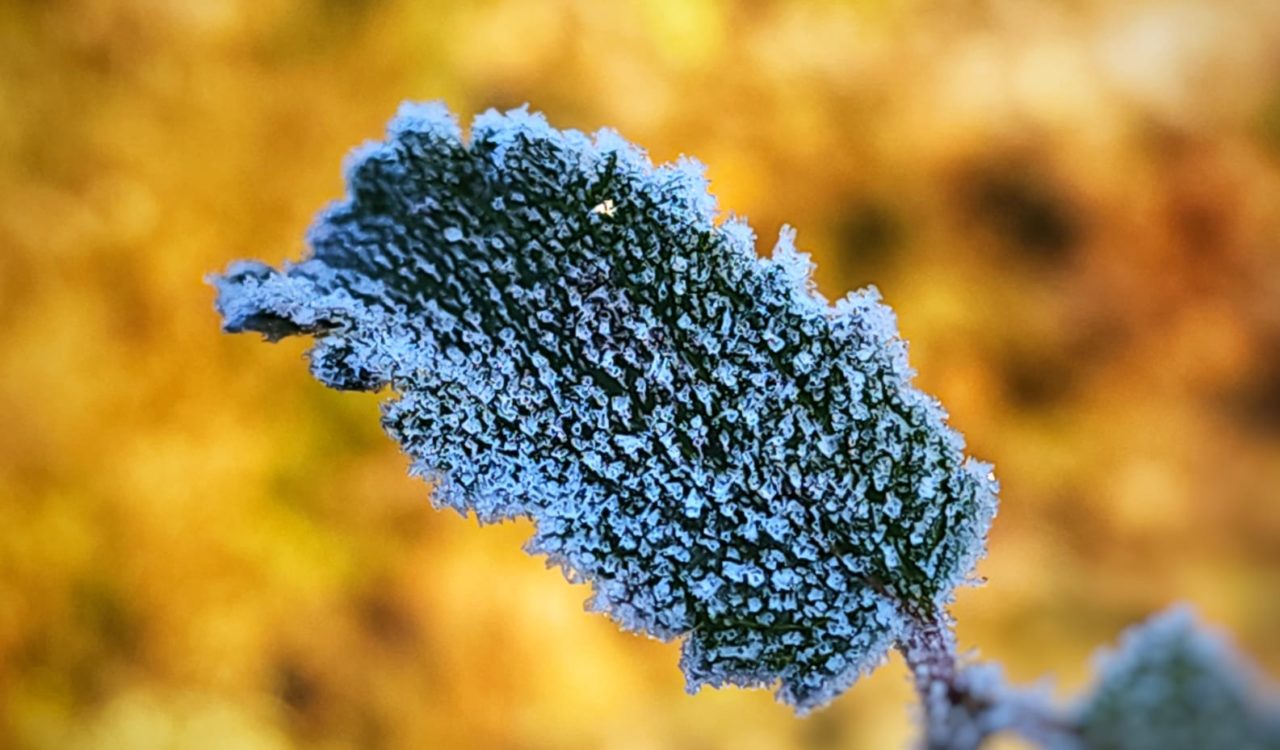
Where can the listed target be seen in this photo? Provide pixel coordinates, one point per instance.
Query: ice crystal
(1172, 685)
(572, 335)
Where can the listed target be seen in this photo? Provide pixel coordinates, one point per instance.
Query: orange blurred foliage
(1074, 207)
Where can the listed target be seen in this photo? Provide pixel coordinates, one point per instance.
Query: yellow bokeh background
(1073, 206)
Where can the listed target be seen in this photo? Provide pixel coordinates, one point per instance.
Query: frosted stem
(930, 653)
(964, 704)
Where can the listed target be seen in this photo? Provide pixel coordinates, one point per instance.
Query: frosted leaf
(572, 337)
(1172, 685)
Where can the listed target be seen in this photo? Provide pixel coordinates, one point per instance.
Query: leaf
(1171, 685)
(572, 337)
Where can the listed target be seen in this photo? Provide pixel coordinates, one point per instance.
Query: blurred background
(1073, 206)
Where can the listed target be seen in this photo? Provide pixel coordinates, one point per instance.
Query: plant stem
(929, 650)
(964, 704)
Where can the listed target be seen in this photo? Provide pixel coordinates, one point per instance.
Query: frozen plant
(573, 336)
(1174, 685)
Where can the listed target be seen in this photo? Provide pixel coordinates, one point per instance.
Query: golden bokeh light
(1074, 208)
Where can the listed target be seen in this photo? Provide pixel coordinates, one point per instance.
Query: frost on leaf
(572, 337)
(1171, 685)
